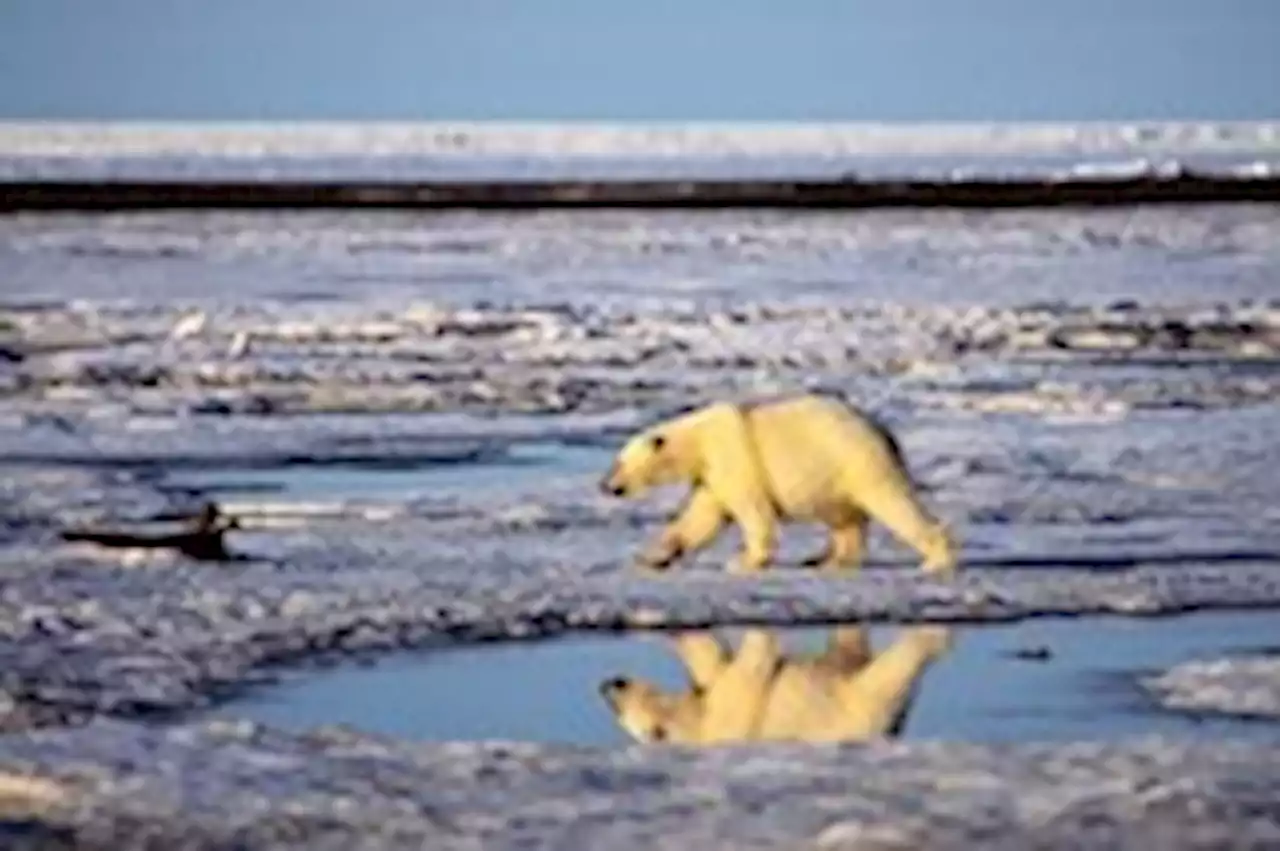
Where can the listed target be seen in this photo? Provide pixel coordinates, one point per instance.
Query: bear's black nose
(612, 687)
(608, 487)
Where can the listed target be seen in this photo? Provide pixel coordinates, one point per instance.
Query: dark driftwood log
(203, 541)
(846, 193)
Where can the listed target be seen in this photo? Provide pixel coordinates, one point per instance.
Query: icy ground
(240, 786)
(1091, 400)
(1234, 686)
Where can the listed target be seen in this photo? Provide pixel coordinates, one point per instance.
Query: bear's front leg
(758, 545)
(694, 527)
(732, 709)
(759, 534)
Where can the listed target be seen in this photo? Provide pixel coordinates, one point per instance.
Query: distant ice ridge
(497, 151)
(375, 138)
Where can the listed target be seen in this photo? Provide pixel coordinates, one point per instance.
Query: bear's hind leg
(846, 545)
(911, 524)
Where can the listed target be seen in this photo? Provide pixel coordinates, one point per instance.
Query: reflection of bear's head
(646, 461)
(649, 715)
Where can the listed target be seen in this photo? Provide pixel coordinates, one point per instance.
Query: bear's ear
(657, 442)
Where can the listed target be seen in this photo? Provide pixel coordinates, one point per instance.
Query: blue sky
(643, 60)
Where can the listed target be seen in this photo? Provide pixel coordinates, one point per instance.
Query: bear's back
(809, 447)
(825, 410)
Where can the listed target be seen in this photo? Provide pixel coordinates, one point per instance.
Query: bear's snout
(610, 689)
(611, 488)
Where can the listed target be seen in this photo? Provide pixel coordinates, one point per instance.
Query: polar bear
(805, 458)
(847, 693)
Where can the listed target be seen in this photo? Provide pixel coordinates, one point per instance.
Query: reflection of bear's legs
(846, 542)
(759, 652)
(732, 708)
(703, 655)
(897, 509)
(848, 648)
(698, 523)
(883, 691)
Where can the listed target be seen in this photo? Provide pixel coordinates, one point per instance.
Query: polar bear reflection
(845, 693)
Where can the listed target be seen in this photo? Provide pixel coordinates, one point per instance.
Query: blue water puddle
(548, 691)
(517, 465)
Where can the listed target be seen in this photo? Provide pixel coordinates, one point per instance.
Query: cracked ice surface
(1240, 685)
(608, 257)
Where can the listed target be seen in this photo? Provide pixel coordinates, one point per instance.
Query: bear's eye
(659, 441)
(658, 734)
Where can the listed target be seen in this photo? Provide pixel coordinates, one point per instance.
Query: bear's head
(646, 461)
(649, 715)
